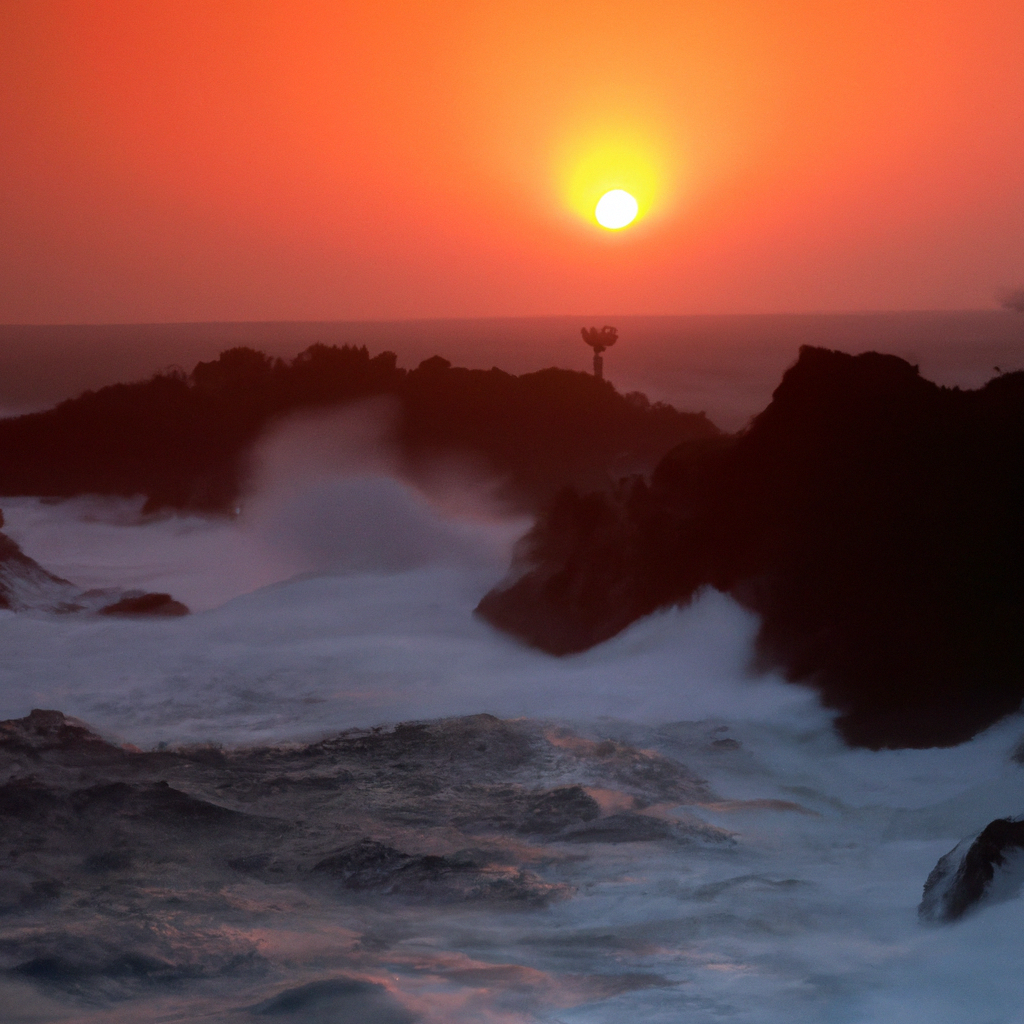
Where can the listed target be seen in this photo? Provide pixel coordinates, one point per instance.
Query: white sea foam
(354, 644)
(811, 917)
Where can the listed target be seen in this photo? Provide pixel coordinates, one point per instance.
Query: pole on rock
(599, 340)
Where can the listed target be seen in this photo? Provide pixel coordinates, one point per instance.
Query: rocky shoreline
(870, 518)
(26, 586)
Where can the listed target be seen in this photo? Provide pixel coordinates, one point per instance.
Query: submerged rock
(337, 999)
(455, 810)
(644, 828)
(558, 809)
(985, 868)
(367, 864)
(146, 604)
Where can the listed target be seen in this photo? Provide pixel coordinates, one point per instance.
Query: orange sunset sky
(169, 160)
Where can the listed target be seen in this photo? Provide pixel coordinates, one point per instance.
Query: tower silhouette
(599, 340)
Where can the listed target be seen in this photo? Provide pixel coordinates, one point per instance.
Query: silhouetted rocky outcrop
(871, 518)
(181, 439)
(984, 868)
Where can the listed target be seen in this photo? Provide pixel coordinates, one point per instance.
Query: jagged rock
(985, 868)
(26, 586)
(870, 518)
(41, 731)
(24, 583)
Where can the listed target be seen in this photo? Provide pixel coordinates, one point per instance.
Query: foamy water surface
(309, 617)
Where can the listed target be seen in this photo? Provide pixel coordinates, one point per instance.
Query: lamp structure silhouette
(599, 340)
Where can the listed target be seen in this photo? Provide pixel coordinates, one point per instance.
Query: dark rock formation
(366, 864)
(46, 732)
(25, 585)
(984, 868)
(556, 810)
(146, 604)
(626, 828)
(181, 440)
(871, 518)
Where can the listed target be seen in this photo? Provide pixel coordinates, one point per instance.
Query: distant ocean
(726, 366)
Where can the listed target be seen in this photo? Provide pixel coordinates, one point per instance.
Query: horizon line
(532, 316)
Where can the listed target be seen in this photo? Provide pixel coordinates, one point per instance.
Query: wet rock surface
(984, 868)
(120, 867)
(24, 583)
(26, 586)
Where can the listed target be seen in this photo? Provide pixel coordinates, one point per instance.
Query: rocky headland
(872, 520)
(182, 440)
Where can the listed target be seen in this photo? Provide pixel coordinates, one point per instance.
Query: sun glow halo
(616, 209)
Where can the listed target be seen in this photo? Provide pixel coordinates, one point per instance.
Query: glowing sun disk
(616, 209)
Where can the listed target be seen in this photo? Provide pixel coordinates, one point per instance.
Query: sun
(616, 209)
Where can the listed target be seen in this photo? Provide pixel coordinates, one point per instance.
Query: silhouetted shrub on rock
(540, 430)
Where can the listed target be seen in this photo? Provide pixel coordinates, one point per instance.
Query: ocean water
(342, 597)
(726, 366)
